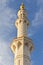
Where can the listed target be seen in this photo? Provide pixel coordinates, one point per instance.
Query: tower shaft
(22, 46)
(22, 22)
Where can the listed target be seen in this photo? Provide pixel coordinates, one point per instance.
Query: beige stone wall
(22, 46)
(22, 29)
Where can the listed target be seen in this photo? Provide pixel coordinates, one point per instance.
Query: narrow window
(26, 44)
(19, 44)
(25, 21)
(20, 21)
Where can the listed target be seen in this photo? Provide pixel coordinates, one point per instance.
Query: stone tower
(22, 46)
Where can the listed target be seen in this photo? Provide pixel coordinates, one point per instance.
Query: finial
(22, 6)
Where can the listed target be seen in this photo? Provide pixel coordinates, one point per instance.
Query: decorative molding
(20, 56)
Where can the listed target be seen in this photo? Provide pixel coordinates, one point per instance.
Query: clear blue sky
(8, 15)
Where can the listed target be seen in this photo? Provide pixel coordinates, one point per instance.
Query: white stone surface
(22, 46)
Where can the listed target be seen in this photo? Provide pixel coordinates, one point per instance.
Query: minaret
(22, 46)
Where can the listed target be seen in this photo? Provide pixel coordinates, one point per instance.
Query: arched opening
(14, 47)
(19, 44)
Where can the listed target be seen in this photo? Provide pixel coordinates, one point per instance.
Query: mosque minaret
(22, 46)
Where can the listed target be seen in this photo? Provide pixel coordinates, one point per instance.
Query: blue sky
(8, 15)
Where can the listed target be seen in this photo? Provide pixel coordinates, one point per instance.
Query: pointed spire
(22, 6)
